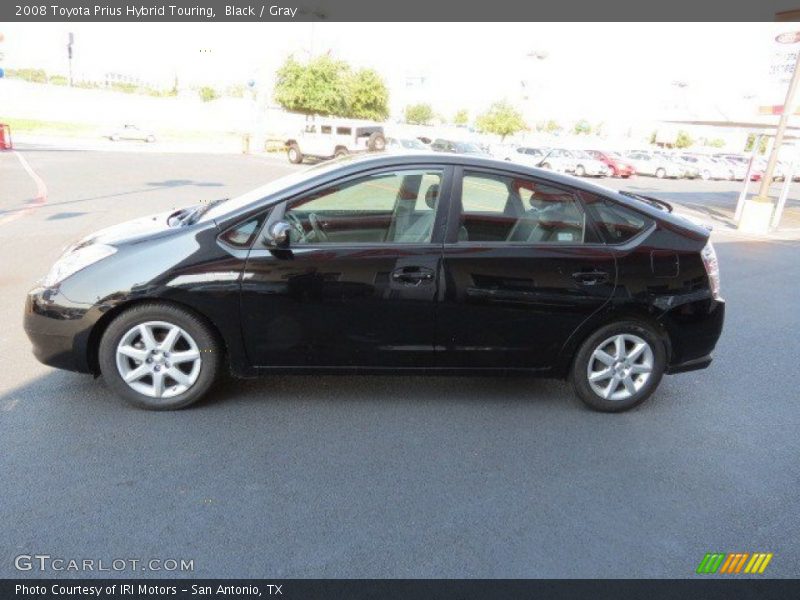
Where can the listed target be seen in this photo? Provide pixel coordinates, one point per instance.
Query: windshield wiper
(659, 204)
(202, 209)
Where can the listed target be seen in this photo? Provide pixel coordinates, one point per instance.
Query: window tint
(343, 131)
(325, 129)
(498, 208)
(396, 207)
(616, 223)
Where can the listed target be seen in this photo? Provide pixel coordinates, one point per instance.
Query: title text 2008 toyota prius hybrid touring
(409, 264)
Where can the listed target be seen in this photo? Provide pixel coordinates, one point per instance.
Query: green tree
(501, 119)
(317, 87)
(751, 140)
(683, 140)
(548, 126)
(207, 93)
(461, 118)
(235, 91)
(367, 96)
(716, 143)
(419, 114)
(582, 126)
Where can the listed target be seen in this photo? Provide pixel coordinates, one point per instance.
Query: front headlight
(73, 261)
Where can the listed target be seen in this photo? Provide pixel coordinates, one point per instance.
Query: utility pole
(763, 191)
(756, 215)
(70, 41)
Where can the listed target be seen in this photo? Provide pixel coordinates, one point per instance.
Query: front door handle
(413, 275)
(590, 277)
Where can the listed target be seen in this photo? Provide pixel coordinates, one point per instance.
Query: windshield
(467, 147)
(223, 208)
(412, 144)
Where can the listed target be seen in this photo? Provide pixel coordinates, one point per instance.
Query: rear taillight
(712, 268)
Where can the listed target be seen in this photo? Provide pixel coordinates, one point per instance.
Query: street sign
(790, 37)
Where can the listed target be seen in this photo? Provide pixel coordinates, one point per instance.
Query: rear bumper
(694, 331)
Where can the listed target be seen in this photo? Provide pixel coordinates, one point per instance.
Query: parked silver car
(654, 164)
(586, 165)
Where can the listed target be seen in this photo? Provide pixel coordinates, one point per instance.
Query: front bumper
(58, 329)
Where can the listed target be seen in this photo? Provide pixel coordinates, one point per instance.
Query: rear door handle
(413, 275)
(590, 277)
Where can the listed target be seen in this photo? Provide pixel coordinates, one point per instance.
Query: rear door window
(616, 223)
(505, 208)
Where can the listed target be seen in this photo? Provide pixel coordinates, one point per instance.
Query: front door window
(393, 207)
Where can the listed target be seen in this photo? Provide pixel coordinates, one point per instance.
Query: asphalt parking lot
(381, 476)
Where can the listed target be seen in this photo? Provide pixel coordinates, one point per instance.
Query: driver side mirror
(279, 235)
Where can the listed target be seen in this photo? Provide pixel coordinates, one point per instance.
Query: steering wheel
(316, 225)
(296, 225)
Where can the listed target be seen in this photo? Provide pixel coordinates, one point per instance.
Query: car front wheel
(159, 357)
(619, 366)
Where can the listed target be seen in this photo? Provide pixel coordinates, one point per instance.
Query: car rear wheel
(340, 152)
(295, 156)
(580, 171)
(159, 357)
(661, 173)
(619, 366)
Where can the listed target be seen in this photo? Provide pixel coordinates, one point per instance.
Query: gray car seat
(420, 230)
(553, 217)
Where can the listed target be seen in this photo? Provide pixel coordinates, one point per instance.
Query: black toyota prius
(446, 264)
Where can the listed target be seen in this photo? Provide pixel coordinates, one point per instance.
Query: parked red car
(617, 167)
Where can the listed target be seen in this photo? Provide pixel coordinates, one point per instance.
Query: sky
(548, 70)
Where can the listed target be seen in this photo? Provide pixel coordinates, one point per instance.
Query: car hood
(133, 231)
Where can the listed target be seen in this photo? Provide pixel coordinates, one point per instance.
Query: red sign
(790, 37)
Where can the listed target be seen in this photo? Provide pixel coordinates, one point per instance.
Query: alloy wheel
(158, 359)
(620, 366)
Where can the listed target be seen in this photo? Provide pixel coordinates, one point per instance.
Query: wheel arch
(100, 327)
(570, 348)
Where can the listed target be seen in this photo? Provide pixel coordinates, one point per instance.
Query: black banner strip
(403, 589)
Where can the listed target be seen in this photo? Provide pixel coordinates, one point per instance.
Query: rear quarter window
(616, 223)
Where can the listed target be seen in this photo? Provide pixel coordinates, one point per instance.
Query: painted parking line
(39, 199)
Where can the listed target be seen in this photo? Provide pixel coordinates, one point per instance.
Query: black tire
(579, 377)
(340, 152)
(376, 142)
(661, 172)
(294, 154)
(547, 166)
(209, 347)
(580, 171)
